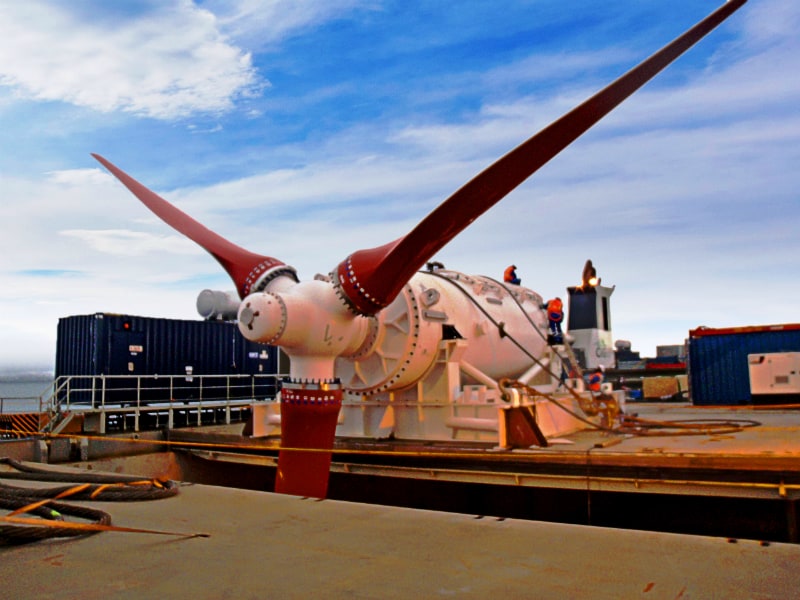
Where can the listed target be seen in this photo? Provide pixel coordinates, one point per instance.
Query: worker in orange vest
(596, 379)
(510, 275)
(555, 314)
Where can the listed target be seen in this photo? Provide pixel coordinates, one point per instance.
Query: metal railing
(20, 404)
(21, 412)
(118, 396)
(20, 394)
(77, 392)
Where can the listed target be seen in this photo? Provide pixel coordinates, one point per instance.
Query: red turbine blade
(245, 268)
(370, 279)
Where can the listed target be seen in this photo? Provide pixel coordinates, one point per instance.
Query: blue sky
(306, 130)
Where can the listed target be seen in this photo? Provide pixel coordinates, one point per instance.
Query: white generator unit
(775, 373)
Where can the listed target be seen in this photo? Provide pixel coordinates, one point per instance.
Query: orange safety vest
(555, 310)
(595, 379)
(509, 275)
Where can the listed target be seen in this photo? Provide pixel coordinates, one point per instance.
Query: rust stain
(56, 560)
(648, 587)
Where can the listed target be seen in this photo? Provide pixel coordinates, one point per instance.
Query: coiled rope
(44, 503)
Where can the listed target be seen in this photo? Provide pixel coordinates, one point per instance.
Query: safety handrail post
(138, 403)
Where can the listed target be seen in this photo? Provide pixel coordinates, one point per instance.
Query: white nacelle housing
(404, 338)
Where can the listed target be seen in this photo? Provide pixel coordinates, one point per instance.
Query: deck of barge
(726, 482)
(751, 445)
(266, 545)
(408, 518)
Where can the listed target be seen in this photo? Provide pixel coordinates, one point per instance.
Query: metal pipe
(537, 368)
(478, 375)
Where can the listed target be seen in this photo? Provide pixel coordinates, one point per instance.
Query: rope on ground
(633, 425)
(644, 427)
(590, 406)
(44, 503)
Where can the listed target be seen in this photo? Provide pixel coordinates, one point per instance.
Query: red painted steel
(243, 266)
(308, 420)
(709, 331)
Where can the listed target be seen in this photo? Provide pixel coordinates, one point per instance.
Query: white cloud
(165, 64)
(78, 177)
(772, 22)
(263, 22)
(122, 242)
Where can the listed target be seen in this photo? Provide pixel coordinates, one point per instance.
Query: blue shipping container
(718, 369)
(112, 344)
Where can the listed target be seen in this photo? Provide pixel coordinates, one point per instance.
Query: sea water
(21, 392)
